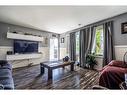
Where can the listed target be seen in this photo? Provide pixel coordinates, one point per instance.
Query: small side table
(123, 85)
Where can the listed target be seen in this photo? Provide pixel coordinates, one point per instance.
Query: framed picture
(124, 28)
(62, 40)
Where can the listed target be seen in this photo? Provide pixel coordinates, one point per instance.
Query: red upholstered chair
(113, 74)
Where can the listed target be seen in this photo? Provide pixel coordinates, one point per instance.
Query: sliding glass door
(53, 49)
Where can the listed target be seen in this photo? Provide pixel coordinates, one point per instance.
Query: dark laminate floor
(28, 78)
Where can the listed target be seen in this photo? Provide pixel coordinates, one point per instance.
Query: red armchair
(112, 74)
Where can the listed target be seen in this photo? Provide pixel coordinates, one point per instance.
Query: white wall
(3, 51)
(21, 63)
(64, 47)
(120, 51)
(63, 52)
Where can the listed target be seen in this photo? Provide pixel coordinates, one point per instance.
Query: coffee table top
(51, 64)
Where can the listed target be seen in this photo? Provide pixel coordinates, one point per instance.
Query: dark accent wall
(3, 35)
(9, 42)
(119, 39)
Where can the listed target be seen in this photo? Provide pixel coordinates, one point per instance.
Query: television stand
(23, 56)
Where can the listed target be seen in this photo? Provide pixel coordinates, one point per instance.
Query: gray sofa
(6, 80)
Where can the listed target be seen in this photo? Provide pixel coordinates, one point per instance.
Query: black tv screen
(22, 46)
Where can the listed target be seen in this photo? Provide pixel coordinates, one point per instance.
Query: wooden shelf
(24, 37)
(23, 56)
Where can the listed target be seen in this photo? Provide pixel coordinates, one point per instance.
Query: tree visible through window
(99, 40)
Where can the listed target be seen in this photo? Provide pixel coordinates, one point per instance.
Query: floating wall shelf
(24, 37)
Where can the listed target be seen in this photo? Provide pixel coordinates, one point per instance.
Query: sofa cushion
(6, 76)
(6, 66)
(7, 82)
(117, 64)
(5, 72)
(1, 86)
(3, 62)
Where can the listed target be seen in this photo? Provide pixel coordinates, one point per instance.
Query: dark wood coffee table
(54, 65)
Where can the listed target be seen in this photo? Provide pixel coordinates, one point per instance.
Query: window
(98, 47)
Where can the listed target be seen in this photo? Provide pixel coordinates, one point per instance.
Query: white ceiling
(57, 19)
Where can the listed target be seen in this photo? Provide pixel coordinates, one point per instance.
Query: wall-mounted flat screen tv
(23, 47)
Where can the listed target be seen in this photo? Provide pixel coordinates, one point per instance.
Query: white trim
(121, 46)
(97, 56)
(5, 47)
(23, 56)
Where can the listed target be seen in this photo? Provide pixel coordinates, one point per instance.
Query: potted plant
(90, 60)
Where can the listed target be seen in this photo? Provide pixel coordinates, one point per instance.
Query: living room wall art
(124, 28)
(62, 40)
